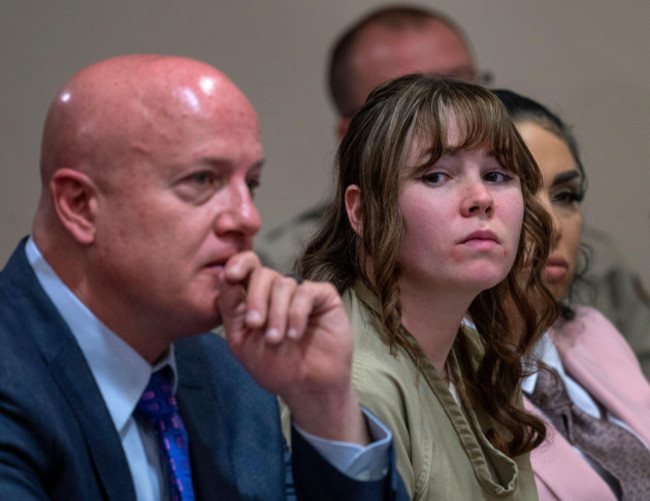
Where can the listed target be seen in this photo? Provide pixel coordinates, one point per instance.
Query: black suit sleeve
(315, 479)
(21, 457)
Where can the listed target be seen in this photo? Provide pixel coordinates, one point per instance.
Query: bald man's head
(149, 165)
(108, 108)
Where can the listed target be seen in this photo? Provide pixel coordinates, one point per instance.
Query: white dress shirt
(122, 375)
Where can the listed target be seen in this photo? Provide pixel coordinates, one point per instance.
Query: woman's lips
(556, 267)
(483, 239)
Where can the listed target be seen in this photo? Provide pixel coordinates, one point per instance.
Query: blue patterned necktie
(158, 405)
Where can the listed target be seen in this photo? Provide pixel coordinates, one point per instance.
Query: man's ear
(353, 208)
(74, 197)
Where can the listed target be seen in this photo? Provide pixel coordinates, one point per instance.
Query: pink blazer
(595, 354)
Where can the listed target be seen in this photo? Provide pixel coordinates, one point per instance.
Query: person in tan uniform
(433, 220)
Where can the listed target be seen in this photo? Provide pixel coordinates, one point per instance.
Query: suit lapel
(72, 375)
(213, 473)
(233, 425)
(82, 394)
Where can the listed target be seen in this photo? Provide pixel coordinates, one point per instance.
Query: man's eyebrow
(565, 177)
(219, 163)
(257, 165)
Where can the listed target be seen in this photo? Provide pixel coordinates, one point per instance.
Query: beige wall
(587, 59)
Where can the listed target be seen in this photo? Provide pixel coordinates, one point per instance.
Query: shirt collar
(546, 352)
(119, 371)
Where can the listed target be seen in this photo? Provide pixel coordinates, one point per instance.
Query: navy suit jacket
(58, 442)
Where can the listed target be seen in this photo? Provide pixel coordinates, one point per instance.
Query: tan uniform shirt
(441, 449)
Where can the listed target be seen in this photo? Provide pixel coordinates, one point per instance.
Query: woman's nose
(544, 198)
(478, 200)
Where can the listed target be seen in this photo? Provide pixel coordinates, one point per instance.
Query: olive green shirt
(441, 449)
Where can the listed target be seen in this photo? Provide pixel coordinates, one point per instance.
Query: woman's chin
(557, 285)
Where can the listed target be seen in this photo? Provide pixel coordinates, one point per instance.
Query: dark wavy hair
(371, 156)
(523, 109)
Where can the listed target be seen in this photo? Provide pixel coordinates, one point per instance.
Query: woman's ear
(353, 208)
(74, 197)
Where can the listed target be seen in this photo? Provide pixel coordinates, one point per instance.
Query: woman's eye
(433, 177)
(497, 177)
(566, 197)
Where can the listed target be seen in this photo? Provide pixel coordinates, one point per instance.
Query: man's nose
(240, 215)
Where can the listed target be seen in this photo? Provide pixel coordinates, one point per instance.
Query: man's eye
(203, 177)
(252, 184)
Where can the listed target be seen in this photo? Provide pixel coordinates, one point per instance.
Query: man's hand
(296, 341)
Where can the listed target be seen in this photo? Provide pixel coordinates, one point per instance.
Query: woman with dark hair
(432, 224)
(592, 392)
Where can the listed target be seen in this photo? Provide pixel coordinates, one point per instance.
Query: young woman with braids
(431, 226)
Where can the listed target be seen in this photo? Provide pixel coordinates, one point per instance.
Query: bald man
(140, 243)
(397, 40)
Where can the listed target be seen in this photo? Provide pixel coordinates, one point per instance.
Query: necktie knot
(158, 399)
(549, 392)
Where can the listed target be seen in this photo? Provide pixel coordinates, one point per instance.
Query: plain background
(587, 60)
